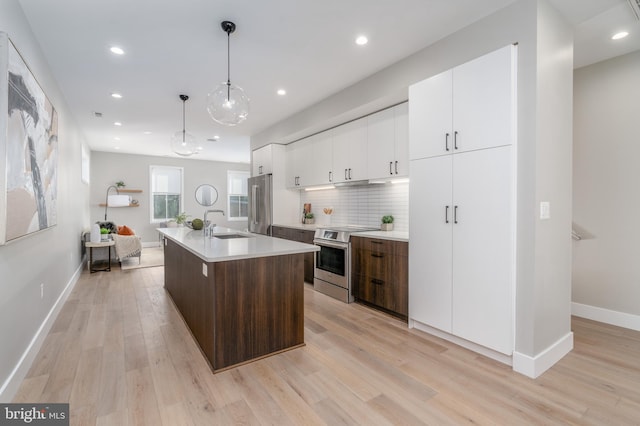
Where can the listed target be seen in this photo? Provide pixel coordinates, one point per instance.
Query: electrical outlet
(204, 270)
(545, 210)
(41, 291)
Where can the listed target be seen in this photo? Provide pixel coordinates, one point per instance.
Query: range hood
(355, 183)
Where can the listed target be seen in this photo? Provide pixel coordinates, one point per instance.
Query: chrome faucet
(208, 227)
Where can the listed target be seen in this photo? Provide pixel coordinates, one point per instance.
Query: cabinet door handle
(259, 170)
(349, 174)
(376, 242)
(345, 174)
(446, 141)
(376, 281)
(390, 165)
(396, 166)
(455, 140)
(330, 176)
(446, 214)
(455, 214)
(380, 256)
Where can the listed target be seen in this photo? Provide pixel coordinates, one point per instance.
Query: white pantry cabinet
(460, 212)
(388, 143)
(466, 108)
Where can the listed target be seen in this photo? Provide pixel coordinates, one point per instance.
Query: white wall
(108, 168)
(52, 256)
(544, 123)
(606, 270)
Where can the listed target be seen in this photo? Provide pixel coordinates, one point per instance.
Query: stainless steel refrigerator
(260, 204)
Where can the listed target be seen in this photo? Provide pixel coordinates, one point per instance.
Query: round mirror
(206, 195)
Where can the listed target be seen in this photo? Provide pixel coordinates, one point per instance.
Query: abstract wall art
(29, 153)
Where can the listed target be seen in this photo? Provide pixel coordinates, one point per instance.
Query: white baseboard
(535, 366)
(489, 353)
(620, 319)
(12, 384)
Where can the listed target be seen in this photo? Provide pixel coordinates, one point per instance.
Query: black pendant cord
(228, 67)
(184, 132)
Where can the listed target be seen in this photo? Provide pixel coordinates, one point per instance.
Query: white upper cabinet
(321, 161)
(350, 151)
(464, 109)
(299, 155)
(388, 143)
(262, 161)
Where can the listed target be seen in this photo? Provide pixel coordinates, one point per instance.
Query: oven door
(332, 263)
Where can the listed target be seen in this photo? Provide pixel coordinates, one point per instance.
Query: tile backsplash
(361, 205)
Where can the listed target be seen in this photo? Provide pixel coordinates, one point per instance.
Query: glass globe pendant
(228, 104)
(183, 143)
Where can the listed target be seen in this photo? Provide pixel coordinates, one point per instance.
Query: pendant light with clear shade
(228, 104)
(183, 143)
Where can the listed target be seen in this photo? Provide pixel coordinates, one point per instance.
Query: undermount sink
(229, 236)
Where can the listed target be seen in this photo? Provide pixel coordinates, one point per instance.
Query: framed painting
(29, 153)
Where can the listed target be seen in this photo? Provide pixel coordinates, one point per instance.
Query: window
(237, 198)
(166, 192)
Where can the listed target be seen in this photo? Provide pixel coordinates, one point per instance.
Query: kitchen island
(240, 294)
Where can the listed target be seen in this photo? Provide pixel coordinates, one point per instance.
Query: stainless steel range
(332, 272)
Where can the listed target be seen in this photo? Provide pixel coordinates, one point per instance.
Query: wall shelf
(115, 207)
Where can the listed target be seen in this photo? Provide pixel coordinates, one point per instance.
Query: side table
(91, 246)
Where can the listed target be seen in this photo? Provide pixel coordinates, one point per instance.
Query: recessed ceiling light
(116, 147)
(147, 132)
(618, 36)
(116, 138)
(282, 92)
(362, 40)
(117, 123)
(116, 95)
(116, 50)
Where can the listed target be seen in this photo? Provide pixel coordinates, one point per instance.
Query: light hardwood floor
(120, 354)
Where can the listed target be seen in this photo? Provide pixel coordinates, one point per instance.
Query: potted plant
(181, 218)
(120, 184)
(309, 218)
(104, 234)
(387, 223)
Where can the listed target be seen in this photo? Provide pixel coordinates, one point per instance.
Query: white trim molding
(12, 384)
(534, 366)
(607, 316)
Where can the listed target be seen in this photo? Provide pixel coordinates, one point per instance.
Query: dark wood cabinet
(301, 236)
(241, 310)
(380, 274)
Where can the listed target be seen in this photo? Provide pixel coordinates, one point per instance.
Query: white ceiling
(305, 47)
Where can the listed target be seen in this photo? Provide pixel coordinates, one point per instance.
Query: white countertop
(384, 235)
(220, 250)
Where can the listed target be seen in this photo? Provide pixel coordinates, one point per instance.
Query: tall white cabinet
(461, 126)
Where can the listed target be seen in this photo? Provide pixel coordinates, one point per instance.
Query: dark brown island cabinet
(301, 236)
(381, 274)
(238, 310)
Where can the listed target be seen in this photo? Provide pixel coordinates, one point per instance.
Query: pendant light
(183, 143)
(227, 103)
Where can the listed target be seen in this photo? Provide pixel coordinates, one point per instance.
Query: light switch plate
(204, 270)
(545, 210)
